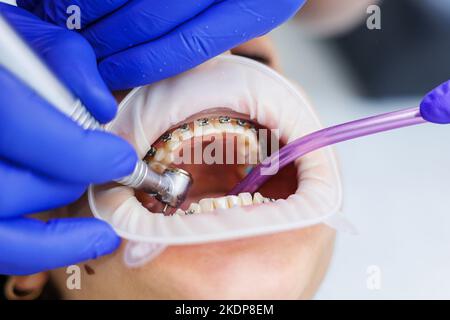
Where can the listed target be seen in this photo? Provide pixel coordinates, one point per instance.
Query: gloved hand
(435, 106)
(143, 41)
(47, 161)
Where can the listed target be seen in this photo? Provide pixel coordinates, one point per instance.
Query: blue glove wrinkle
(55, 11)
(140, 21)
(435, 107)
(148, 40)
(28, 246)
(70, 57)
(29, 5)
(223, 26)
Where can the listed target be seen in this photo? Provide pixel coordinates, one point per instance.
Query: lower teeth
(211, 204)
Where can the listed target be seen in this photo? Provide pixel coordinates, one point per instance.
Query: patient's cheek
(288, 265)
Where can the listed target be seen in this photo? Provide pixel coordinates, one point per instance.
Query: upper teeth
(184, 127)
(224, 119)
(211, 204)
(151, 152)
(166, 137)
(172, 141)
(241, 122)
(203, 122)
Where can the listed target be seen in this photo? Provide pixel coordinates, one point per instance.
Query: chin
(288, 265)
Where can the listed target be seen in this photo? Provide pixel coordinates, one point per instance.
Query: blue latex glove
(142, 41)
(435, 106)
(47, 161)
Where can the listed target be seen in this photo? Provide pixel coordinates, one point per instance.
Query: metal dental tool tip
(170, 187)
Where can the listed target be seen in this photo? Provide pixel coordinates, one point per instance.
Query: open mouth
(226, 102)
(218, 147)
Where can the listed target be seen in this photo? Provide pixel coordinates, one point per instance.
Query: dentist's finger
(24, 191)
(33, 134)
(29, 5)
(223, 26)
(58, 11)
(28, 246)
(69, 56)
(140, 21)
(435, 106)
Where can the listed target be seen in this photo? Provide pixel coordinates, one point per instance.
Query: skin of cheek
(262, 49)
(330, 18)
(289, 265)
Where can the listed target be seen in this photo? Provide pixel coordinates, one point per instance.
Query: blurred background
(397, 184)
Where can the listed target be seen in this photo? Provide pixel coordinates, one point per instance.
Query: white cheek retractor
(243, 86)
(170, 187)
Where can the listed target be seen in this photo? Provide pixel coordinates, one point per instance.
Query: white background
(396, 185)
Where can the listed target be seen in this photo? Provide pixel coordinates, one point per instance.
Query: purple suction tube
(326, 137)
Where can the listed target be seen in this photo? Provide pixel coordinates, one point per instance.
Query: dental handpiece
(323, 138)
(170, 187)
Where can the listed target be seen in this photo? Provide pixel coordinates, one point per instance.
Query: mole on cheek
(89, 270)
